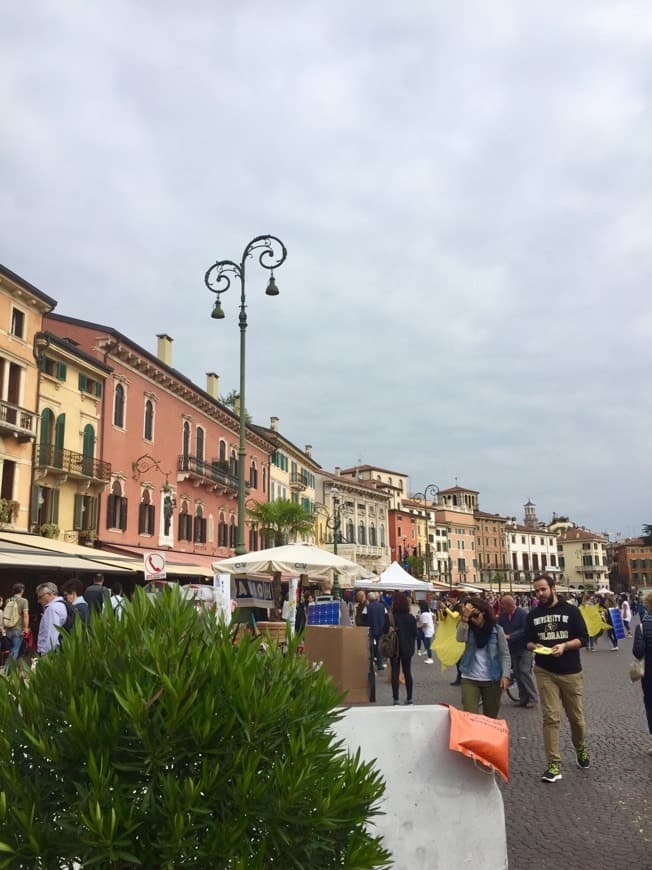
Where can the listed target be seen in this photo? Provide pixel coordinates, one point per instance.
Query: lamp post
(431, 490)
(333, 520)
(272, 254)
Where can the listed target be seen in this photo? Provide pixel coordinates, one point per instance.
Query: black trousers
(404, 662)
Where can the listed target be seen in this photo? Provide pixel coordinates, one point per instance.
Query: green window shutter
(98, 389)
(110, 510)
(123, 514)
(54, 506)
(61, 371)
(83, 382)
(36, 491)
(78, 512)
(91, 513)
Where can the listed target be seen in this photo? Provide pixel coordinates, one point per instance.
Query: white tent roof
(291, 559)
(392, 578)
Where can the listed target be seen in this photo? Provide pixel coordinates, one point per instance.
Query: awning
(25, 550)
(131, 559)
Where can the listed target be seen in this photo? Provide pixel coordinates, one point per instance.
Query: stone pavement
(592, 819)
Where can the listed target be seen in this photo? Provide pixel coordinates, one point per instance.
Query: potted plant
(8, 510)
(50, 530)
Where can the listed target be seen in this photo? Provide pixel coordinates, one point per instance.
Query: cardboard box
(344, 653)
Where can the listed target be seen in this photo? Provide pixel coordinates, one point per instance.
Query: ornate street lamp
(272, 254)
(430, 492)
(333, 520)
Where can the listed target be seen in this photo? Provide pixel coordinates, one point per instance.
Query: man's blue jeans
(15, 635)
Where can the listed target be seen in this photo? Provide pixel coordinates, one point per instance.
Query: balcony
(216, 473)
(17, 421)
(594, 569)
(298, 481)
(75, 465)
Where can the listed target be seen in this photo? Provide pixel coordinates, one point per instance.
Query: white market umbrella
(290, 559)
(392, 578)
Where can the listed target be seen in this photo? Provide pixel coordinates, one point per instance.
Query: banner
(291, 614)
(617, 623)
(594, 622)
(222, 583)
(253, 593)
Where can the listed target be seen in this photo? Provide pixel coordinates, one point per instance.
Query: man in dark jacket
(96, 595)
(378, 624)
(512, 620)
(555, 632)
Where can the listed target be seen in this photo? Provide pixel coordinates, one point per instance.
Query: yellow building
(22, 307)
(583, 559)
(69, 474)
(454, 513)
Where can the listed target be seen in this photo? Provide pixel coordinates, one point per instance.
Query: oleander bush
(155, 741)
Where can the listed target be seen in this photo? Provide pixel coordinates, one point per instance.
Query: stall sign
(253, 593)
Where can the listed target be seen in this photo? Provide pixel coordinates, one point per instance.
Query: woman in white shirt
(426, 623)
(626, 614)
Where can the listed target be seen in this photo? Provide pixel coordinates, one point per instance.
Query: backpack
(11, 614)
(71, 617)
(388, 643)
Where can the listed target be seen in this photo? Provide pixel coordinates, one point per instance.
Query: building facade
(491, 548)
(393, 483)
(455, 521)
(22, 307)
(68, 475)
(173, 451)
(583, 559)
(630, 563)
(530, 551)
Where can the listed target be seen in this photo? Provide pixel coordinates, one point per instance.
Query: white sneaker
(428, 662)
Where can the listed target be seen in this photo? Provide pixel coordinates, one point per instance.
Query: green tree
(153, 740)
(231, 401)
(281, 520)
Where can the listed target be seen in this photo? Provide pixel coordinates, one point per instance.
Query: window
(253, 475)
(8, 477)
(116, 508)
(54, 369)
(362, 534)
(45, 505)
(148, 433)
(85, 513)
(373, 540)
(186, 443)
(222, 452)
(185, 523)
(119, 406)
(233, 533)
(264, 479)
(90, 386)
(146, 515)
(199, 440)
(461, 564)
(222, 532)
(233, 463)
(382, 535)
(199, 530)
(17, 323)
(350, 532)
(253, 539)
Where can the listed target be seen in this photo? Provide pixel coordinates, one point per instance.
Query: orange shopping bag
(483, 739)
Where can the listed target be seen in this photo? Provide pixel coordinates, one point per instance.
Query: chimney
(338, 468)
(212, 384)
(308, 450)
(273, 424)
(164, 349)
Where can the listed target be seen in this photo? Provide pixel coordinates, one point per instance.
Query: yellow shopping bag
(594, 622)
(446, 647)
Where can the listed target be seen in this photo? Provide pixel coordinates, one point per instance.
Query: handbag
(388, 643)
(637, 670)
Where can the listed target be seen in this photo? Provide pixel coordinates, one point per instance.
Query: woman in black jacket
(406, 628)
(643, 650)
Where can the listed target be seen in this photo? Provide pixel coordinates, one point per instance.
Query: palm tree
(280, 520)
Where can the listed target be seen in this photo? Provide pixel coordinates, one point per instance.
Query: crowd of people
(534, 640)
(59, 608)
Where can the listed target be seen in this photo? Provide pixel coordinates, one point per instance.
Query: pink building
(173, 451)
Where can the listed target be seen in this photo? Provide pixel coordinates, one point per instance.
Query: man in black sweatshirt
(560, 628)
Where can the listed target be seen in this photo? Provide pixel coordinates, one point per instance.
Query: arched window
(253, 538)
(362, 534)
(186, 440)
(233, 464)
(199, 531)
(382, 535)
(222, 450)
(264, 479)
(146, 513)
(222, 532)
(47, 429)
(200, 444)
(233, 533)
(211, 528)
(148, 433)
(373, 540)
(253, 475)
(119, 406)
(350, 532)
(185, 523)
(116, 508)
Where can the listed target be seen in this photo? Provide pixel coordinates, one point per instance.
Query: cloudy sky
(464, 190)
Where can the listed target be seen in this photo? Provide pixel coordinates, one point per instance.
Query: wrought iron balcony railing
(74, 464)
(213, 472)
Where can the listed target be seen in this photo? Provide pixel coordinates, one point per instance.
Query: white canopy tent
(392, 578)
(291, 559)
